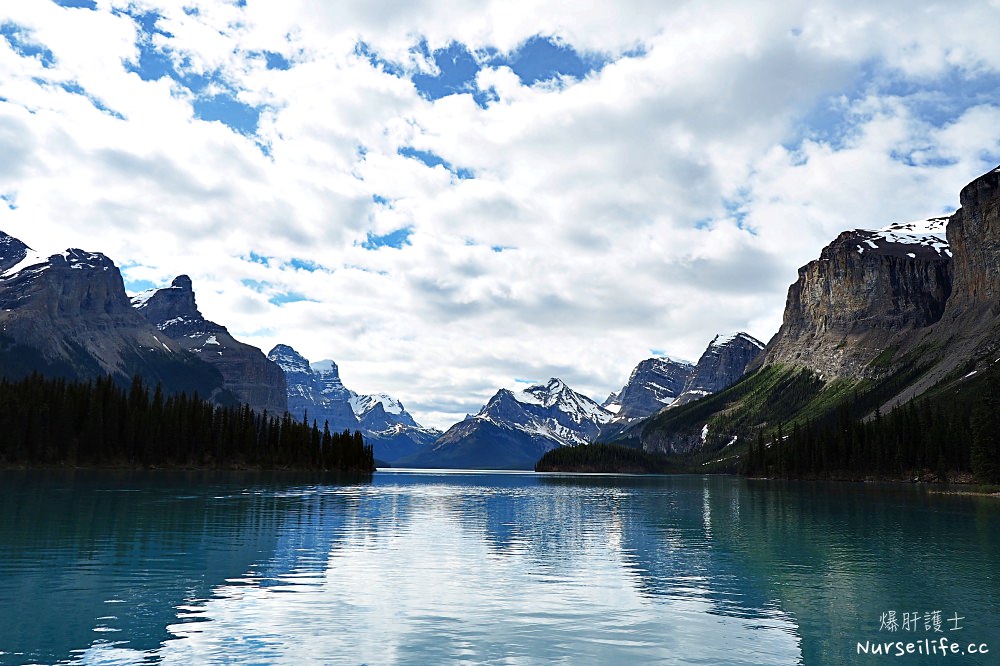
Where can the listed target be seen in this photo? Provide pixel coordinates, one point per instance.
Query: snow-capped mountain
(514, 429)
(653, 384)
(722, 363)
(317, 392)
(246, 372)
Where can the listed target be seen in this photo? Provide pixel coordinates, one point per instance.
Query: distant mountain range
(514, 429)
(68, 315)
(316, 392)
(881, 317)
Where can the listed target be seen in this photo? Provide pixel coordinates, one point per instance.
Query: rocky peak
(722, 363)
(290, 360)
(866, 286)
(546, 394)
(12, 252)
(72, 283)
(68, 314)
(317, 391)
(654, 384)
(328, 378)
(251, 376)
(553, 402)
(170, 305)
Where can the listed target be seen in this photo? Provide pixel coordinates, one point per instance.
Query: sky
(451, 197)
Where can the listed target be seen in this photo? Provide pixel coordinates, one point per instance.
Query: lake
(100, 567)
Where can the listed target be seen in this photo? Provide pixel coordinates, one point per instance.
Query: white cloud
(669, 196)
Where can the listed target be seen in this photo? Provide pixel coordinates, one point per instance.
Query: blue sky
(448, 199)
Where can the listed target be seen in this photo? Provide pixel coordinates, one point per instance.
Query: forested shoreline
(59, 423)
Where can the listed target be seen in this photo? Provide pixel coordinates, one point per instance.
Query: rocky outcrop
(722, 364)
(68, 315)
(12, 252)
(967, 336)
(653, 384)
(974, 237)
(316, 392)
(246, 372)
(865, 289)
(514, 429)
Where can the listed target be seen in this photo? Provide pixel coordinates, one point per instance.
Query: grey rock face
(317, 392)
(865, 289)
(653, 384)
(246, 372)
(721, 365)
(12, 251)
(316, 395)
(513, 430)
(974, 238)
(68, 315)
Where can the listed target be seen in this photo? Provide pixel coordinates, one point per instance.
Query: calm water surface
(430, 568)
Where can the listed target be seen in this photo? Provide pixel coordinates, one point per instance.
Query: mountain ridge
(513, 429)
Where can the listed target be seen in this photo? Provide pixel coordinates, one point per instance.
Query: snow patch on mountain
(30, 259)
(362, 404)
(930, 233)
(725, 339)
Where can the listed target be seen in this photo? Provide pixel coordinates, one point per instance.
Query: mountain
(723, 362)
(246, 372)
(653, 384)
(866, 288)
(67, 315)
(316, 392)
(663, 383)
(513, 430)
(901, 315)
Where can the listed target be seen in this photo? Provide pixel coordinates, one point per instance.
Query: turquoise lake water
(435, 568)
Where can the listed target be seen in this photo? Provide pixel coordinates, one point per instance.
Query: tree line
(944, 434)
(607, 458)
(50, 421)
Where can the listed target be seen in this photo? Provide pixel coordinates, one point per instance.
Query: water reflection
(434, 568)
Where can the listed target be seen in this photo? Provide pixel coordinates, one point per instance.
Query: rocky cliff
(653, 384)
(974, 236)
(723, 362)
(866, 288)
(967, 335)
(246, 372)
(68, 315)
(881, 317)
(315, 391)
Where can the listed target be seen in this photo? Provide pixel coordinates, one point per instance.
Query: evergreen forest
(56, 422)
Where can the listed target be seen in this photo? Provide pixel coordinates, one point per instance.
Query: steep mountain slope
(723, 362)
(246, 372)
(653, 384)
(866, 288)
(68, 315)
(880, 318)
(316, 392)
(513, 430)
